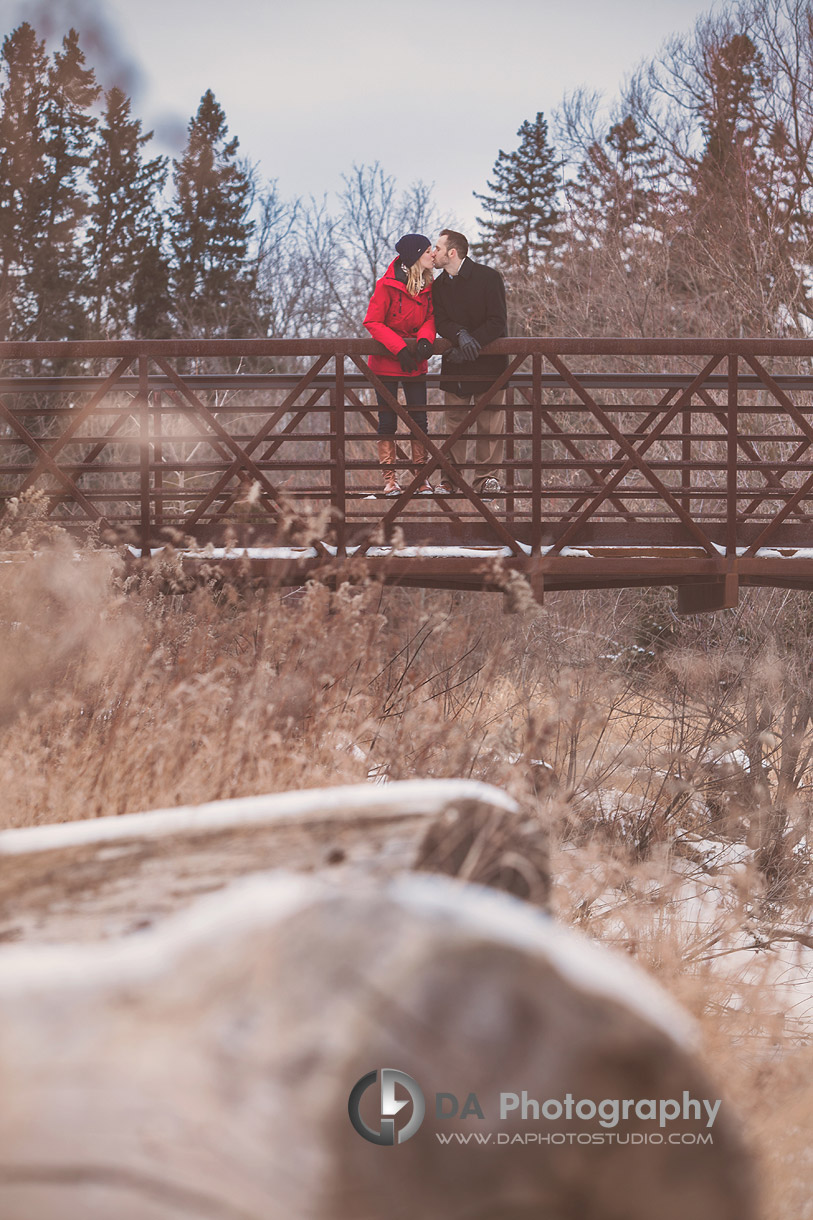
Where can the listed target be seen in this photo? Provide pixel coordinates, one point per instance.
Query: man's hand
(468, 347)
(407, 360)
(424, 349)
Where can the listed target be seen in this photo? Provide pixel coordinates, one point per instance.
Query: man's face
(441, 252)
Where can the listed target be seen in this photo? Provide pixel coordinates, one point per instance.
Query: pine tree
(730, 177)
(619, 187)
(56, 271)
(151, 290)
(24, 100)
(210, 228)
(735, 209)
(522, 213)
(124, 224)
(614, 253)
(730, 117)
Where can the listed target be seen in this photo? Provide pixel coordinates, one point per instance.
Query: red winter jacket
(393, 316)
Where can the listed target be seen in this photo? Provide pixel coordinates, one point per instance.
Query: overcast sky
(431, 90)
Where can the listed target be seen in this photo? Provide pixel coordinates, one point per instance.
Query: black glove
(407, 360)
(424, 349)
(468, 345)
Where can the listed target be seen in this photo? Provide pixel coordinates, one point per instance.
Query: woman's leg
(387, 425)
(415, 394)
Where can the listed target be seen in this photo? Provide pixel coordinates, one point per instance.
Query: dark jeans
(415, 395)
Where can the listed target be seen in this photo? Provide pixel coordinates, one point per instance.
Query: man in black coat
(469, 305)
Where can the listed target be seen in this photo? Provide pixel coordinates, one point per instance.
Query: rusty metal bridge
(685, 462)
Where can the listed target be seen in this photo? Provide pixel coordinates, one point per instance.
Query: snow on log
(106, 876)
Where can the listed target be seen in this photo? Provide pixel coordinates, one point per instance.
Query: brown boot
(386, 458)
(419, 458)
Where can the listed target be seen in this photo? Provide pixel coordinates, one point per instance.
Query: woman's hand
(408, 360)
(424, 349)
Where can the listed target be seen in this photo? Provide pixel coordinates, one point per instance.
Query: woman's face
(427, 260)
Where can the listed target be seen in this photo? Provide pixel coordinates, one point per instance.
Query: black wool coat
(472, 300)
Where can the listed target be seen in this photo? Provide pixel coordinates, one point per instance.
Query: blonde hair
(418, 278)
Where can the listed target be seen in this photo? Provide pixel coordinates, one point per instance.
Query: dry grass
(120, 695)
(122, 692)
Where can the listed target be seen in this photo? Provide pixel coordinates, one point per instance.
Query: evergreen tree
(56, 270)
(24, 101)
(612, 263)
(151, 290)
(210, 228)
(522, 213)
(124, 226)
(620, 185)
(730, 177)
(729, 113)
(738, 208)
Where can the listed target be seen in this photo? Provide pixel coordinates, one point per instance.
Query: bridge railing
(705, 444)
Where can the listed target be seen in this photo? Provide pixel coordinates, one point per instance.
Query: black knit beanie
(411, 247)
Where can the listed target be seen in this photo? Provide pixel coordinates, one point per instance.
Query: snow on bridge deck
(704, 582)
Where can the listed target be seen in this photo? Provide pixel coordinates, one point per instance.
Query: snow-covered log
(204, 1068)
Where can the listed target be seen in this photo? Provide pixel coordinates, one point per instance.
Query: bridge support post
(722, 594)
(337, 456)
(144, 454)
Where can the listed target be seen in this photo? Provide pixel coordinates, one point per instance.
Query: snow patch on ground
(704, 902)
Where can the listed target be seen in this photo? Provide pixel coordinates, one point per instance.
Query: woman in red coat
(401, 309)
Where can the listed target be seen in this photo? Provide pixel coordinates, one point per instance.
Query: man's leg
(489, 448)
(457, 409)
